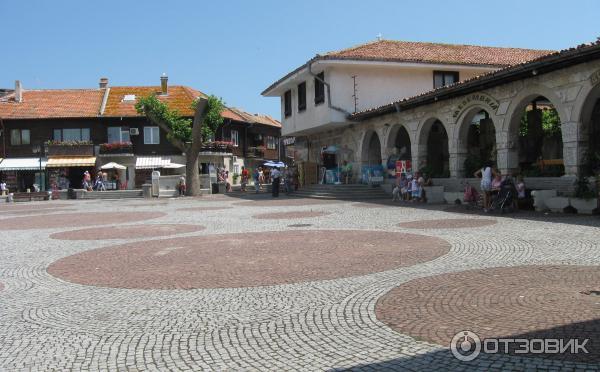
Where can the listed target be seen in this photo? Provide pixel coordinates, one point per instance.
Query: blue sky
(235, 49)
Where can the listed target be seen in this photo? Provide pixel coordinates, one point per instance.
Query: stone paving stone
(317, 324)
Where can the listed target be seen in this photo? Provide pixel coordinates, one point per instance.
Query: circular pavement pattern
(28, 207)
(36, 211)
(529, 302)
(448, 223)
(290, 215)
(203, 209)
(127, 232)
(75, 220)
(247, 259)
(283, 202)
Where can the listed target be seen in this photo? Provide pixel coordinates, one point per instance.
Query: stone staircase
(116, 194)
(342, 192)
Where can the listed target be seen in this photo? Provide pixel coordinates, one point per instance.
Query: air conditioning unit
(134, 131)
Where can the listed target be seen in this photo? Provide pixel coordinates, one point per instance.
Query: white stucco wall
(377, 84)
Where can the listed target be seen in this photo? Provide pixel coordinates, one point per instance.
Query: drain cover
(591, 293)
(300, 225)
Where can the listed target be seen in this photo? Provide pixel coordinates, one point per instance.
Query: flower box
(116, 148)
(584, 206)
(70, 149)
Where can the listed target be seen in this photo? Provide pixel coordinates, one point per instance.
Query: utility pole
(355, 95)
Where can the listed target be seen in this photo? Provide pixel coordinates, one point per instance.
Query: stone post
(572, 147)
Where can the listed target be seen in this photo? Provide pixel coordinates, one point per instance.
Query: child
(415, 189)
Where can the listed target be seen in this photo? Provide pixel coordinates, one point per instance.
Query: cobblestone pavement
(313, 323)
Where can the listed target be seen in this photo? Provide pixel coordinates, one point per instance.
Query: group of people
(411, 188)
(100, 182)
(492, 182)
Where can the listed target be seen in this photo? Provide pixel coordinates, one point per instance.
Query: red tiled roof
(253, 118)
(419, 52)
(179, 98)
(46, 104)
(540, 65)
(430, 53)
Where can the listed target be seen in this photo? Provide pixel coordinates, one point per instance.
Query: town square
(227, 195)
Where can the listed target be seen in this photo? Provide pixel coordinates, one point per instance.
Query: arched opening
(479, 136)
(372, 151)
(539, 144)
(371, 157)
(590, 119)
(438, 157)
(399, 146)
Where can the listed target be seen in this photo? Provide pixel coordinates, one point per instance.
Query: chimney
(103, 83)
(164, 87)
(18, 91)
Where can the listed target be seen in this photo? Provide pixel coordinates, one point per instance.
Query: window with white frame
(118, 134)
(71, 134)
(235, 138)
(236, 168)
(20, 137)
(271, 142)
(151, 136)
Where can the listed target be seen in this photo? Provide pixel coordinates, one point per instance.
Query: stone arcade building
(434, 128)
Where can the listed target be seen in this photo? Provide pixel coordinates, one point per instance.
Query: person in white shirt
(276, 177)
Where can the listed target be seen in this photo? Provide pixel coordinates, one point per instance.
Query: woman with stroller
(486, 173)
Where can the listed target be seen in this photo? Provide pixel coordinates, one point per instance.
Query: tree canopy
(180, 128)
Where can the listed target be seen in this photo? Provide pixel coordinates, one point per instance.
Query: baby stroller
(471, 197)
(504, 201)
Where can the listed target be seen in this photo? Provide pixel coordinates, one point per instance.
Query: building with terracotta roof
(530, 112)
(59, 134)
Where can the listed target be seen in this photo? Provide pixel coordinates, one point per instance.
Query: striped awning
(15, 164)
(151, 162)
(71, 161)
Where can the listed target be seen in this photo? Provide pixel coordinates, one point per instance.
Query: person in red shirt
(245, 176)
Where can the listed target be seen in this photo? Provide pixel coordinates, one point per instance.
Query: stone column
(457, 162)
(507, 153)
(573, 147)
(419, 156)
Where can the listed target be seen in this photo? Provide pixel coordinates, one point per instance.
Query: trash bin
(147, 190)
(71, 194)
(215, 188)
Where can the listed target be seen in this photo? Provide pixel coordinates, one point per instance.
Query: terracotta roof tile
(254, 118)
(419, 52)
(44, 104)
(179, 98)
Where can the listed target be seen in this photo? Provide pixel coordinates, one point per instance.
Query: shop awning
(14, 164)
(71, 161)
(151, 162)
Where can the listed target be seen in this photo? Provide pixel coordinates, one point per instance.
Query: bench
(541, 163)
(30, 196)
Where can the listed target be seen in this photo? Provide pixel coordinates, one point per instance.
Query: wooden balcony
(70, 150)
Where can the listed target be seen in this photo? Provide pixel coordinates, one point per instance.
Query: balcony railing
(256, 152)
(70, 149)
(116, 148)
(217, 146)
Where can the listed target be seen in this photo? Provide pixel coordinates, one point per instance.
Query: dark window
(302, 96)
(443, 78)
(287, 103)
(20, 137)
(319, 88)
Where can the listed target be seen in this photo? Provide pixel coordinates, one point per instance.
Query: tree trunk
(191, 174)
(191, 155)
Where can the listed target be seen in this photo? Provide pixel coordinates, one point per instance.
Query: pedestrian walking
(256, 179)
(276, 177)
(182, 186)
(245, 176)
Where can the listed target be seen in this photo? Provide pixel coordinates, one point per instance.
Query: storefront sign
(476, 98)
(403, 166)
(595, 78)
(289, 141)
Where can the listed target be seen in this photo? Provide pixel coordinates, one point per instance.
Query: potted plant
(236, 176)
(585, 200)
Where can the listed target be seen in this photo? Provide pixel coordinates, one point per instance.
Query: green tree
(184, 133)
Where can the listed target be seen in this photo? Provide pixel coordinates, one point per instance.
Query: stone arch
(433, 148)
(588, 115)
(475, 138)
(371, 148)
(520, 153)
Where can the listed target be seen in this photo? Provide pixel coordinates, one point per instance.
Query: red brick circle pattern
(246, 260)
(448, 223)
(203, 209)
(127, 232)
(283, 202)
(28, 207)
(75, 220)
(290, 215)
(520, 302)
